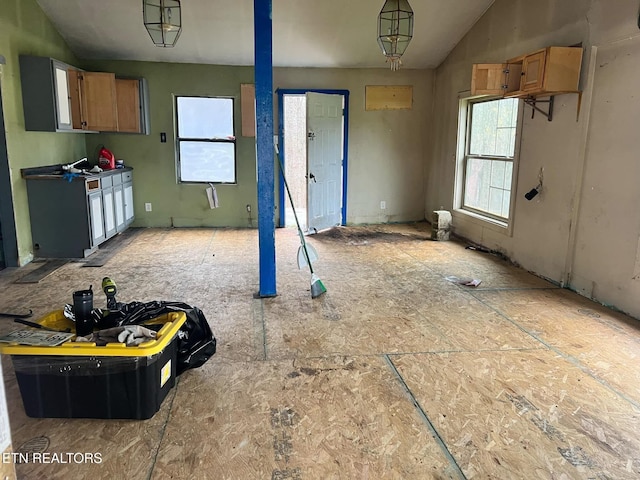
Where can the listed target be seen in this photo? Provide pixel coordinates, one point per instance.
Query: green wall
(154, 176)
(24, 29)
(386, 148)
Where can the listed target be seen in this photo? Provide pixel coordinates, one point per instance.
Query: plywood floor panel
(370, 325)
(269, 420)
(524, 415)
(579, 328)
(305, 388)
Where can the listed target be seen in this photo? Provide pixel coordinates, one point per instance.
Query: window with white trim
(206, 143)
(489, 157)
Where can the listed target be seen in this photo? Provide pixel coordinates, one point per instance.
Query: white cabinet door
(118, 195)
(63, 99)
(128, 203)
(96, 219)
(108, 206)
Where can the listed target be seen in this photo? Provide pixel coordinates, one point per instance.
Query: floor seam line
(264, 331)
(208, 249)
(432, 429)
(515, 289)
(164, 429)
(378, 354)
(584, 369)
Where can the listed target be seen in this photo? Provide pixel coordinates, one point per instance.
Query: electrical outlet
(147, 207)
(249, 208)
(383, 205)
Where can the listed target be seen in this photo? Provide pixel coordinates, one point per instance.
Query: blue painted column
(264, 145)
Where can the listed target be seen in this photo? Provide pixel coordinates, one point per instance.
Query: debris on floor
(370, 234)
(467, 282)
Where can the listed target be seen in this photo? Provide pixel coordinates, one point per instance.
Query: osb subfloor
(394, 373)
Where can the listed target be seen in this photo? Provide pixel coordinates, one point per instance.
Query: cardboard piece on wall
(248, 109)
(388, 97)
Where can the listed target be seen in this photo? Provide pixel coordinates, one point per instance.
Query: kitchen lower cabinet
(71, 219)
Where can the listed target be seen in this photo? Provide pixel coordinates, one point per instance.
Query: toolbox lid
(56, 320)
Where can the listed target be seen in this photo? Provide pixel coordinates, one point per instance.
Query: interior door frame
(345, 146)
(7, 221)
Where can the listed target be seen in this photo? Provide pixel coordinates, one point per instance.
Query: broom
(317, 287)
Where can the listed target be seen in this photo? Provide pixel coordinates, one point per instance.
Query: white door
(324, 161)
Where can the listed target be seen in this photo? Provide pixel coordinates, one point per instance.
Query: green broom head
(317, 287)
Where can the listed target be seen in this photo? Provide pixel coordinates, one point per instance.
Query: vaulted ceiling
(306, 33)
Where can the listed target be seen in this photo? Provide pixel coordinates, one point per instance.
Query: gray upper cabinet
(45, 94)
(57, 97)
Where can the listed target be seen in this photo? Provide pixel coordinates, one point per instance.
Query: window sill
(486, 222)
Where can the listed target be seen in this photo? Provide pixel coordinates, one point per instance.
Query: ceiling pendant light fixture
(395, 30)
(163, 21)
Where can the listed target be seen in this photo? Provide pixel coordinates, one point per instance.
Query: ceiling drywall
(306, 33)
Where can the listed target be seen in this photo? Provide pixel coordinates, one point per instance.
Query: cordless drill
(110, 290)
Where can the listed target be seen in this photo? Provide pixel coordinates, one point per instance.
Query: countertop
(56, 172)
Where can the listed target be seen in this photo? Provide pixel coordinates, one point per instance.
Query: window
(489, 155)
(206, 142)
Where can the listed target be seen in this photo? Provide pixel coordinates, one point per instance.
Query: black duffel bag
(196, 343)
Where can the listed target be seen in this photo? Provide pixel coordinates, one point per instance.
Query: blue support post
(264, 145)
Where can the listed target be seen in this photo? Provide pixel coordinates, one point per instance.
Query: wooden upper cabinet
(550, 71)
(488, 79)
(533, 71)
(495, 78)
(93, 100)
(128, 105)
(99, 108)
(75, 98)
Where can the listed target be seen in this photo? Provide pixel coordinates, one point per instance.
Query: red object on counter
(106, 160)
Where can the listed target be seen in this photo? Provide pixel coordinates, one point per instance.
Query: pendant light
(395, 30)
(163, 21)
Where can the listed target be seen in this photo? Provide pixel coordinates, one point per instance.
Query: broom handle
(295, 215)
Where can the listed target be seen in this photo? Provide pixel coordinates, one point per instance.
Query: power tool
(110, 290)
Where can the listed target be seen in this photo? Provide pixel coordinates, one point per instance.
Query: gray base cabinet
(71, 219)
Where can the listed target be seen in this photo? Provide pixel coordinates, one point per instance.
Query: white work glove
(135, 335)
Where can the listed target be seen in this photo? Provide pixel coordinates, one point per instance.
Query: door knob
(312, 177)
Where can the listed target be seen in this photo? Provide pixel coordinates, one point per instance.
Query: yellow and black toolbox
(83, 380)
